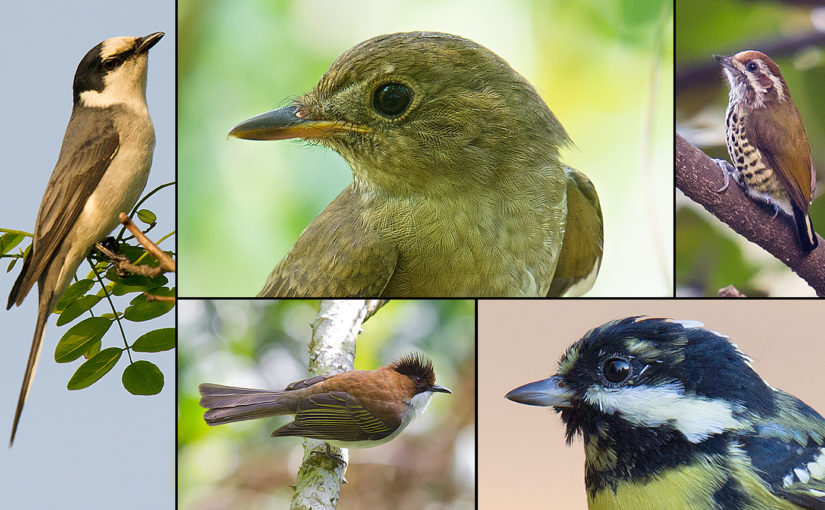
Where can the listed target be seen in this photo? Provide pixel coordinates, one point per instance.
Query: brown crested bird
(354, 409)
(457, 186)
(766, 140)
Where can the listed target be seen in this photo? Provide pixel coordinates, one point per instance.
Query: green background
(598, 64)
(709, 255)
(263, 344)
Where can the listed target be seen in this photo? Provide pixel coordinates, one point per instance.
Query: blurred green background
(709, 255)
(263, 344)
(605, 68)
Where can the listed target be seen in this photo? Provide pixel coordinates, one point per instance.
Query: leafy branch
(134, 269)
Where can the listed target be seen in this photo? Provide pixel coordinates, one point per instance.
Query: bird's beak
(548, 392)
(286, 123)
(146, 42)
(725, 61)
(440, 389)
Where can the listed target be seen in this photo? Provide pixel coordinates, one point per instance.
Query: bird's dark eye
(751, 66)
(111, 63)
(391, 99)
(616, 370)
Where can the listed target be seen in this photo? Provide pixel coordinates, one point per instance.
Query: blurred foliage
(709, 255)
(102, 288)
(263, 344)
(596, 62)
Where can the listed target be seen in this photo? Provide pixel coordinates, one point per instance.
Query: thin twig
(166, 262)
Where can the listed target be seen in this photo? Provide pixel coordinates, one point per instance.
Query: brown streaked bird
(766, 140)
(457, 186)
(354, 409)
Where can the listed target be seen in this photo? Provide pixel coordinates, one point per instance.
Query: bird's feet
(727, 171)
(338, 459)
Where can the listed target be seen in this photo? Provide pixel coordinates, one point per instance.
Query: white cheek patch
(697, 418)
(125, 86)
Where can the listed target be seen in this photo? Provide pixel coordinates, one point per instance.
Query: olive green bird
(457, 185)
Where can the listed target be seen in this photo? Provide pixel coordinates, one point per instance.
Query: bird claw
(338, 459)
(727, 170)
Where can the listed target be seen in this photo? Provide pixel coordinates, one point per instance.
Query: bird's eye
(392, 99)
(616, 370)
(111, 63)
(751, 66)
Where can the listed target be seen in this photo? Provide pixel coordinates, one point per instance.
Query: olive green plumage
(457, 186)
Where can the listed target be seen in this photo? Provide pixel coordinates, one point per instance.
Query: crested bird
(353, 409)
(457, 187)
(673, 416)
(101, 171)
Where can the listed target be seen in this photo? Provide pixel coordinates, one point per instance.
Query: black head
(420, 371)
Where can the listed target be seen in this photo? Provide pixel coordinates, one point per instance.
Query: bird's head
(420, 112)
(672, 379)
(416, 380)
(114, 72)
(755, 78)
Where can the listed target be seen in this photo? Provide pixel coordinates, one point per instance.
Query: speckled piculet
(457, 185)
(766, 140)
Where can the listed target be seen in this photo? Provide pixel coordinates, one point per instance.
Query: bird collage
(395, 254)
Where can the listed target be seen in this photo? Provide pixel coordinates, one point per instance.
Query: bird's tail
(805, 228)
(43, 311)
(226, 404)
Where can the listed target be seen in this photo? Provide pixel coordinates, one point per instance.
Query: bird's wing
(787, 153)
(788, 452)
(89, 146)
(335, 257)
(581, 252)
(335, 415)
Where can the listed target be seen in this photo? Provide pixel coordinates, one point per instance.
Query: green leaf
(74, 291)
(9, 241)
(12, 263)
(147, 216)
(156, 341)
(76, 309)
(142, 310)
(143, 378)
(78, 339)
(93, 349)
(94, 368)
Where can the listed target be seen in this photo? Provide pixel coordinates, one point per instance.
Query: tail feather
(805, 228)
(227, 404)
(44, 309)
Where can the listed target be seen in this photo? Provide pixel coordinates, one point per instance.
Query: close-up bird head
(414, 111)
(754, 77)
(114, 71)
(663, 403)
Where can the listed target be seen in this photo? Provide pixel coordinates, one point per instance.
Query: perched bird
(766, 140)
(355, 409)
(457, 186)
(674, 417)
(101, 171)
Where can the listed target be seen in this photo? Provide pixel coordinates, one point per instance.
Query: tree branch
(331, 350)
(699, 177)
(166, 262)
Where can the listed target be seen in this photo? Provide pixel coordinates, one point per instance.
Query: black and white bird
(101, 171)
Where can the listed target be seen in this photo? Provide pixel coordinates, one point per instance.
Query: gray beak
(439, 389)
(146, 42)
(548, 392)
(725, 61)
